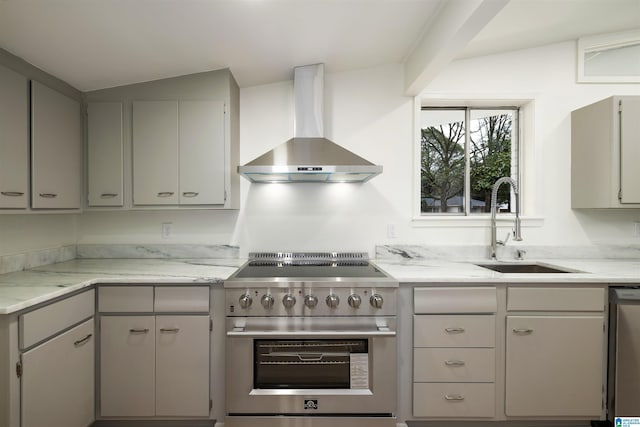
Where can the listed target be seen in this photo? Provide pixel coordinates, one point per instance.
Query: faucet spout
(517, 233)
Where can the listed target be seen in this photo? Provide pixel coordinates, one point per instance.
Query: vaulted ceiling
(93, 44)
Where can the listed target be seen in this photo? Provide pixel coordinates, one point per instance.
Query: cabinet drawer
(454, 365)
(454, 331)
(555, 299)
(40, 324)
(455, 300)
(457, 400)
(125, 299)
(185, 299)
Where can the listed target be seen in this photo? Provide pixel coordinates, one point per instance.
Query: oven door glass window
(310, 364)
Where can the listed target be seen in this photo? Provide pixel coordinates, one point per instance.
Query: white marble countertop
(583, 271)
(22, 290)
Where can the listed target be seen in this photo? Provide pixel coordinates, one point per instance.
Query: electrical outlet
(636, 229)
(167, 228)
(391, 231)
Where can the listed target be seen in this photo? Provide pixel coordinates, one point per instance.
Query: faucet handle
(504, 242)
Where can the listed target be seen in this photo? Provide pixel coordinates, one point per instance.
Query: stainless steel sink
(524, 268)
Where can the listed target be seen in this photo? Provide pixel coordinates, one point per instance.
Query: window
(609, 58)
(463, 152)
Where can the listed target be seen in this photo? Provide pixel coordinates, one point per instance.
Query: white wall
(26, 233)
(366, 112)
(548, 75)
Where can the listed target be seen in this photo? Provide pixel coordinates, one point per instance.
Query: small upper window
(463, 152)
(609, 58)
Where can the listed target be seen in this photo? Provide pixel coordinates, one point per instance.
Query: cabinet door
(56, 144)
(14, 140)
(104, 153)
(182, 366)
(127, 355)
(554, 366)
(155, 153)
(58, 380)
(201, 152)
(630, 149)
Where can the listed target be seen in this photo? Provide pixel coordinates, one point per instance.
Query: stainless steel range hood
(309, 157)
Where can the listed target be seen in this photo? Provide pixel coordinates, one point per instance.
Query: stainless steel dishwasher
(624, 353)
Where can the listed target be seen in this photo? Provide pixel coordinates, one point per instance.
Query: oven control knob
(376, 300)
(354, 300)
(333, 300)
(288, 301)
(245, 301)
(266, 301)
(311, 301)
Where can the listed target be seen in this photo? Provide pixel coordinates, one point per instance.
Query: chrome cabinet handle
(454, 330)
(48, 195)
(170, 330)
(523, 331)
(190, 194)
(108, 195)
(139, 330)
(454, 397)
(165, 194)
(82, 341)
(454, 362)
(12, 193)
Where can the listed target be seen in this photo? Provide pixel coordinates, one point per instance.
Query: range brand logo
(310, 404)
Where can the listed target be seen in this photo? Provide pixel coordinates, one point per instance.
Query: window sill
(473, 221)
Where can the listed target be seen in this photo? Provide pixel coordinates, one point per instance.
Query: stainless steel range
(311, 341)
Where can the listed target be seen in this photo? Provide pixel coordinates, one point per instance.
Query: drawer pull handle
(523, 331)
(48, 195)
(169, 330)
(454, 397)
(190, 194)
(454, 330)
(108, 195)
(82, 341)
(12, 193)
(139, 331)
(454, 362)
(165, 194)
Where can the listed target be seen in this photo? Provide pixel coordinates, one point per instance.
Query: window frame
(526, 157)
(515, 154)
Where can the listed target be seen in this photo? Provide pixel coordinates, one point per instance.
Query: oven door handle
(380, 332)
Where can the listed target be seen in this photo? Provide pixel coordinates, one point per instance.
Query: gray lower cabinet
(57, 363)
(154, 360)
(555, 347)
(58, 380)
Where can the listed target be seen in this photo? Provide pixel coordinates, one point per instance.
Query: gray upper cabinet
(605, 150)
(178, 153)
(104, 154)
(155, 153)
(201, 144)
(56, 147)
(14, 140)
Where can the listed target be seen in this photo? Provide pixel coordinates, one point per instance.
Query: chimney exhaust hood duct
(309, 157)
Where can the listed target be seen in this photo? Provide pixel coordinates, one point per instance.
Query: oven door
(318, 367)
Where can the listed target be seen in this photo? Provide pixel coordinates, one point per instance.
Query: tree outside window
(463, 152)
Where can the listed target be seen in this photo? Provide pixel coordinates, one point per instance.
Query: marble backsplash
(180, 251)
(506, 253)
(27, 260)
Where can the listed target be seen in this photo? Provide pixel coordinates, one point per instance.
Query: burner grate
(309, 258)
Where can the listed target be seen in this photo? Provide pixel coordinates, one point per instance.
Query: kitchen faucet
(494, 207)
